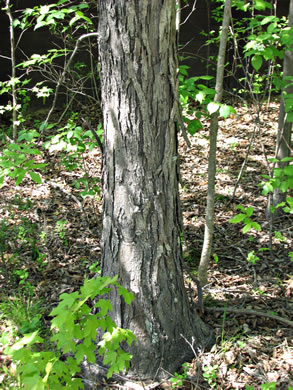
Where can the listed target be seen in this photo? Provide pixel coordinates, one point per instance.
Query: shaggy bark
(141, 217)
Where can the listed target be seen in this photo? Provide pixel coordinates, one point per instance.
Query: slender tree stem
(13, 70)
(210, 208)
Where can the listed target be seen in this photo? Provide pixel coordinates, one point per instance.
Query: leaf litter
(251, 349)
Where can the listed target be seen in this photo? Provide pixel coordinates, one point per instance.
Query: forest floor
(50, 239)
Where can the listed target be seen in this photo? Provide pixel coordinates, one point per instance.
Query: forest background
(51, 209)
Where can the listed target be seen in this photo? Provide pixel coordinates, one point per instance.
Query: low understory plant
(177, 380)
(282, 179)
(74, 332)
(245, 218)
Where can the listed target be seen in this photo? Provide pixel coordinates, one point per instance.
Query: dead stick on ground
(251, 312)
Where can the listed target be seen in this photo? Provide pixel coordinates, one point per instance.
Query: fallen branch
(251, 312)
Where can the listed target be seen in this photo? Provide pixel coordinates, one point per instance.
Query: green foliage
(177, 380)
(264, 386)
(68, 21)
(22, 275)
(53, 16)
(18, 87)
(23, 311)
(268, 38)
(16, 159)
(25, 236)
(252, 258)
(287, 82)
(283, 180)
(244, 218)
(61, 230)
(72, 320)
(269, 386)
(267, 41)
(216, 258)
(72, 141)
(194, 94)
(210, 374)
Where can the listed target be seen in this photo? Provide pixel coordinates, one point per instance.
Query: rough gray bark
(141, 216)
(283, 145)
(210, 208)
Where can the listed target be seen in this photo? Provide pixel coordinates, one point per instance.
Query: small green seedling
(244, 217)
(61, 230)
(210, 374)
(252, 258)
(178, 379)
(216, 258)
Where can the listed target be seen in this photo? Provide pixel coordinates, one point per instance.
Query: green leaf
(127, 295)
(238, 218)
(284, 186)
(35, 177)
(268, 53)
(104, 305)
(193, 126)
(20, 176)
(267, 19)
(288, 170)
(262, 5)
(256, 226)
(33, 383)
(267, 187)
(213, 107)
(286, 159)
(90, 329)
(14, 147)
(240, 207)
(66, 301)
(289, 117)
(246, 228)
(256, 61)
(26, 340)
(224, 110)
(249, 211)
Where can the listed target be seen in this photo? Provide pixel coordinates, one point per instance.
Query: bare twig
(190, 13)
(243, 164)
(252, 312)
(66, 67)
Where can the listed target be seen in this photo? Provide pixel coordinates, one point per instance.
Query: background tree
(141, 217)
(283, 145)
(210, 208)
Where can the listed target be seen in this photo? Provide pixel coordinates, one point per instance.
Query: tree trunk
(141, 215)
(210, 209)
(283, 144)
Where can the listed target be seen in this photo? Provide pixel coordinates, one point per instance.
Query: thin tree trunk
(283, 145)
(141, 216)
(13, 70)
(210, 209)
